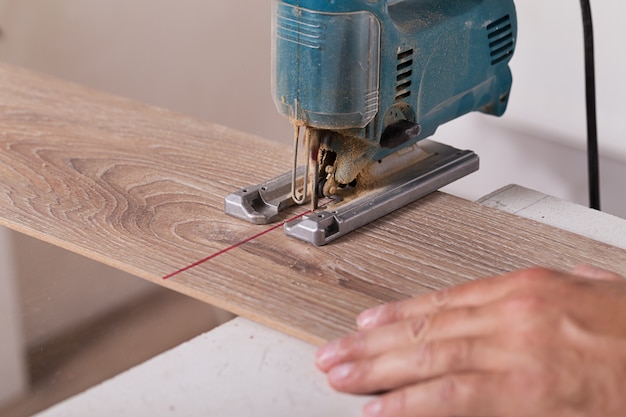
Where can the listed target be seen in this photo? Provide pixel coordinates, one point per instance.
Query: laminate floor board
(141, 189)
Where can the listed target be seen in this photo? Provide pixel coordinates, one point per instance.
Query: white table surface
(245, 369)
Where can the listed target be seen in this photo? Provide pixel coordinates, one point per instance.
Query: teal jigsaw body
(364, 67)
(369, 81)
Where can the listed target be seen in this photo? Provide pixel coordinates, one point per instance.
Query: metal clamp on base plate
(262, 203)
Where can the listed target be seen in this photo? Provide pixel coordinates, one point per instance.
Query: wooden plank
(141, 189)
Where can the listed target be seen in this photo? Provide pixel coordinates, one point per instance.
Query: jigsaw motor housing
(360, 66)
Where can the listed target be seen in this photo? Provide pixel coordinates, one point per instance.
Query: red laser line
(236, 245)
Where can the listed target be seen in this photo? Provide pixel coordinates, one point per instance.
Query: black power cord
(593, 163)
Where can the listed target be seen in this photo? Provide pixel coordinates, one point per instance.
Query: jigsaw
(365, 83)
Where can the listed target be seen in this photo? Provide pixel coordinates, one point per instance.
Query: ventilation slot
(501, 42)
(404, 71)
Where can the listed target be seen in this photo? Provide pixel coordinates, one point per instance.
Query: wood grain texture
(141, 189)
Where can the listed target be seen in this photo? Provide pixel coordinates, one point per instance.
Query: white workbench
(245, 369)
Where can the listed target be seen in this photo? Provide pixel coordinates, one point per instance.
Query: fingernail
(373, 408)
(586, 270)
(369, 318)
(341, 372)
(593, 272)
(326, 354)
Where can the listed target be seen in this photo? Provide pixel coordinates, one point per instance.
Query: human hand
(531, 343)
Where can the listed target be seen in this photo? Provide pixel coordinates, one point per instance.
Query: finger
(469, 294)
(472, 394)
(413, 365)
(592, 272)
(453, 323)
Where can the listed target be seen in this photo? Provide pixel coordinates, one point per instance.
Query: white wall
(512, 155)
(12, 365)
(208, 59)
(548, 70)
(540, 142)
